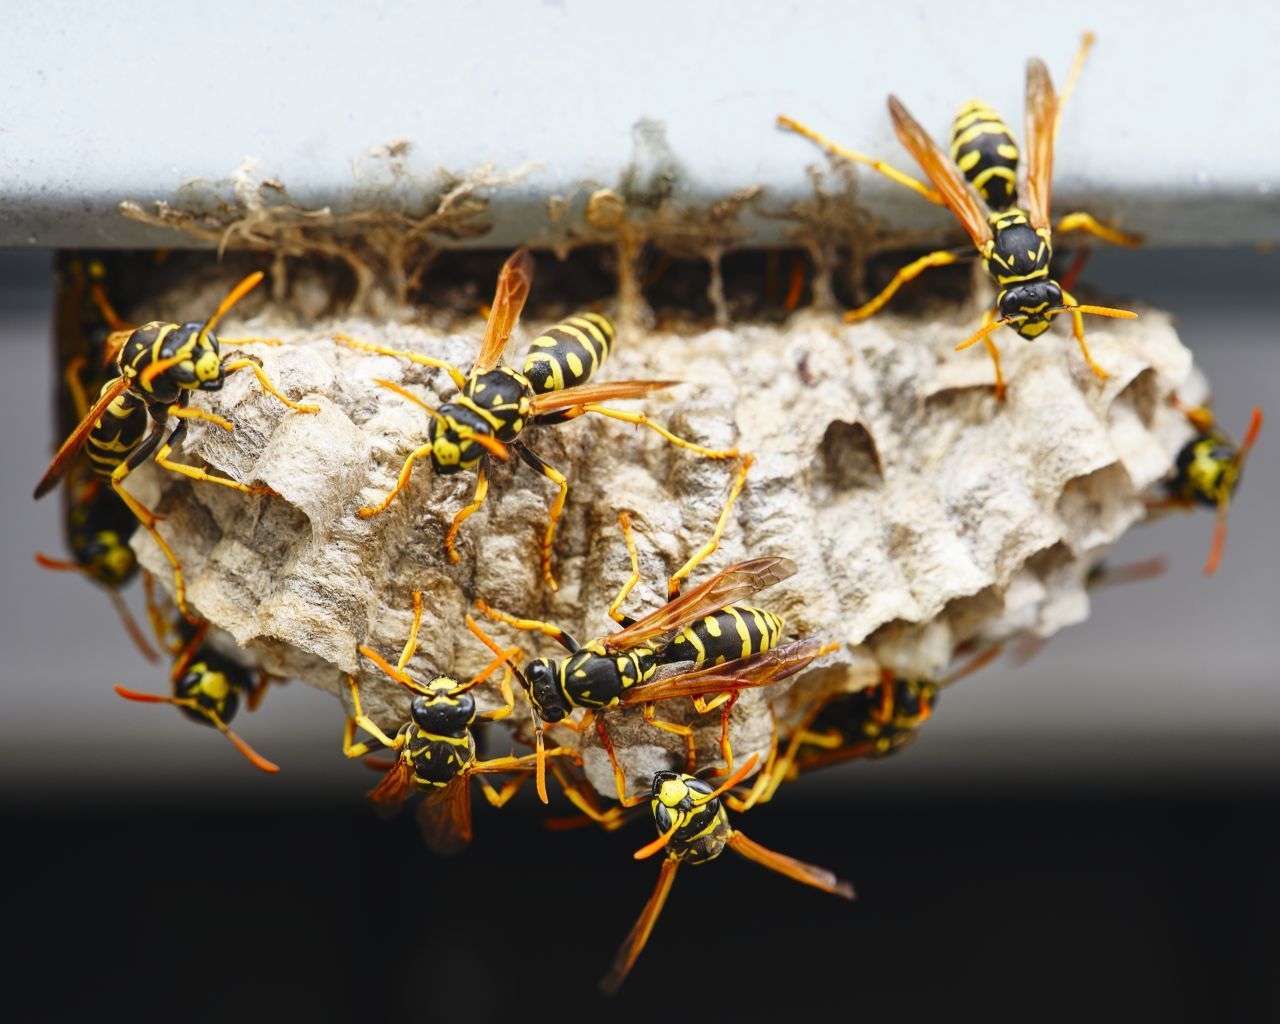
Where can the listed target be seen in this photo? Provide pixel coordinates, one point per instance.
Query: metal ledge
(104, 103)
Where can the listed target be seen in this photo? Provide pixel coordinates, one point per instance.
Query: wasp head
(452, 431)
(1208, 468)
(213, 687)
(542, 681)
(108, 558)
(1030, 307)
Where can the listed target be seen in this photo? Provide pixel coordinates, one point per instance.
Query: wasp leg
(673, 584)
(499, 797)
(1077, 328)
(690, 752)
(359, 718)
(539, 465)
(584, 800)
(941, 258)
(763, 777)
(186, 412)
(195, 472)
(148, 518)
(368, 511)
(619, 776)
(1080, 221)
(233, 365)
(411, 644)
(615, 612)
(456, 375)
(639, 419)
(890, 172)
(464, 513)
(557, 634)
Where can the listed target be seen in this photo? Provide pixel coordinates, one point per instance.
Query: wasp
(97, 525)
(693, 827)
(158, 367)
(436, 750)
(870, 723)
(1008, 225)
(208, 685)
(1207, 472)
(497, 403)
(706, 643)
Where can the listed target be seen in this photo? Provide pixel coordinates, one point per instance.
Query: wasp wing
(806, 874)
(755, 670)
(944, 174)
(605, 391)
(514, 281)
(389, 795)
(1041, 116)
(62, 461)
(639, 934)
(444, 817)
(736, 583)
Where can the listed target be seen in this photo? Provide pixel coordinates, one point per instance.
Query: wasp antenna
(251, 755)
(978, 335)
(1107, 311)
(733, 779)
(1250, 435)
(649, 849)
(235, 295)
(150, 698)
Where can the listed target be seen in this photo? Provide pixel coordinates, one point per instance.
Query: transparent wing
(62, 461)
(444, 817)
(939, 169)
(1041, 115)
(514, 282)
(755, 670)
(734, 584)
(550, 401)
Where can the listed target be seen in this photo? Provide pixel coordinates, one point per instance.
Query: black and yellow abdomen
(116, 433)
(1208, 469)
(985, 151)
(731, 633)
(569, 353)
(99, 527)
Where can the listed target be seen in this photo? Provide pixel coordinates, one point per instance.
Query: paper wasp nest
(921, 513)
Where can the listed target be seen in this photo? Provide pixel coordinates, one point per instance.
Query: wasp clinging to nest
(496, 403)
(1007, 220)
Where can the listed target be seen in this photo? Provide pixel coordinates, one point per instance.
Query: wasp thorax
(109, 558)
(543, 691)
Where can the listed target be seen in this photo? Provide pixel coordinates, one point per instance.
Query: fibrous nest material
(922, 514)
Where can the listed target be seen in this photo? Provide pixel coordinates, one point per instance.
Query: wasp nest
(921, 513)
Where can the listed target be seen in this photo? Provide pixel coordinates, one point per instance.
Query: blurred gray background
(1172, 683)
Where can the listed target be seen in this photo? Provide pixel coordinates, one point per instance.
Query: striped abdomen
(569, 353)
(983, 148)
(116, 433)
(731, 633)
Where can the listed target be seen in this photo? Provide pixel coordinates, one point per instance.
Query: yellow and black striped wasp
(436, 750)
(1207, 472)
(870, 723)
(158, 367)
(208, 685)
(97, 525)
(693, 828)
(496, 403)
(1010, 227)
(705, 643)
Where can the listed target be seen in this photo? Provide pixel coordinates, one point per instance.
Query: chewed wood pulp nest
(922, 514)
